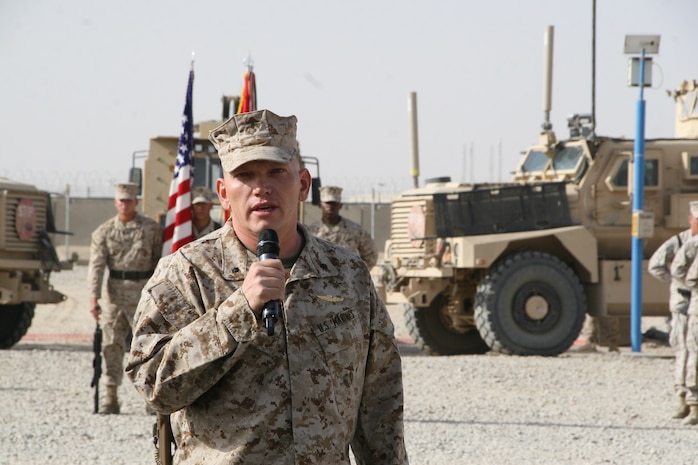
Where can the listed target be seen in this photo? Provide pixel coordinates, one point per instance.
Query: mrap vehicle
(27, 258)
(515, 267)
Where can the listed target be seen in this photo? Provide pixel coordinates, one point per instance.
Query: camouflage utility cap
(693, 206)
(126, 191)
(257, 135)
(201, 194)
(331, 194)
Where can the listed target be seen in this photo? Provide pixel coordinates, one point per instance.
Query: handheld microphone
(268, 248)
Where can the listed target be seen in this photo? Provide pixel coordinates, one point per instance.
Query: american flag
(178, 226)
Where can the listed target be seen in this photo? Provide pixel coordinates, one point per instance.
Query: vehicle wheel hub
(536, 308)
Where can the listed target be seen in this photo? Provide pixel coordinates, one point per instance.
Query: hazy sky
(86, 83)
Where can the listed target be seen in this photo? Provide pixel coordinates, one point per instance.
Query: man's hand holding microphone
(264, 286)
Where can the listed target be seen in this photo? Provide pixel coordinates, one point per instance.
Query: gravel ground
(593, 408)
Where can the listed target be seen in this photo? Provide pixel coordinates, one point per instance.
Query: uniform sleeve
(691, 279)
(379, 437)
(660, 263)
(180, 350)
(158, 238)
(98, 262)
(682, 261)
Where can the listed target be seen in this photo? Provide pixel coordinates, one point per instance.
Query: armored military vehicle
(515, 267)
(27, 258)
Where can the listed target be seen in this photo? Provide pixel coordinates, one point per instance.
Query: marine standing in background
(342, 231)
(660, 267)
(328, 378)
(128, 246)
(680, 268)
(201, 204)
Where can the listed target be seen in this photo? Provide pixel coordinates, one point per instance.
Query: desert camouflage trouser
(116, 321)
(677, 341)
(692, 360)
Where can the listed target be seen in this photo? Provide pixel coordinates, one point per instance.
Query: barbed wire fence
(86, 184)
(100, 184)
(377, 189)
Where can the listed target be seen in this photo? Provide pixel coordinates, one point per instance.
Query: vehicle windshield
(567, 158)
(535, 161)
(567, 161)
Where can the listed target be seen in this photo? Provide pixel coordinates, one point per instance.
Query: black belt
(685, 292)
(130, 275)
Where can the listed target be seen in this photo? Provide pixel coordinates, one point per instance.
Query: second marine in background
(201, 204)
(335, 228)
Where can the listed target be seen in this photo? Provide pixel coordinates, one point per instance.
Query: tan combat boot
(692, 418)
(682, 410)
(111, 402)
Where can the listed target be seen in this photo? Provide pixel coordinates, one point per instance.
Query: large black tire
(530, 303)
(434, 337)
(14, 323)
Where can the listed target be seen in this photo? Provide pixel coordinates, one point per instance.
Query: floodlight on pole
(642, 221)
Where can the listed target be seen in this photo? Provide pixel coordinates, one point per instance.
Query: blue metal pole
(638, 203)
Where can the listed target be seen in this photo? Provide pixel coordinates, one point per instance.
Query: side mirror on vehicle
(135, 175)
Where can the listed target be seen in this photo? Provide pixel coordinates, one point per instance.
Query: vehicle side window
(651, 173)
(620, 178)
(206, 171)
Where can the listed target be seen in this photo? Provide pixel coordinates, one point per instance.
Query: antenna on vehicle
(414, 138)
(547, 136)
(593, 70)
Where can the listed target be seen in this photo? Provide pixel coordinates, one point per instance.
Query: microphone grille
(268, 242)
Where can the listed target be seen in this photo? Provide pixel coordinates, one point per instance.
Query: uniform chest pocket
(340, 332)
(125, 241)
(172, 305)
(344, 347)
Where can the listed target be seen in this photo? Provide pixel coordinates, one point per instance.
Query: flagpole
(248, 62)
(248, 96)
(251, 83)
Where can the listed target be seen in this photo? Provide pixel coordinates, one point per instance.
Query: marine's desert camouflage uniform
(660, 267)
(350, 235)
(134, 246)
(328, 378)
(210, 227)
(681, 271)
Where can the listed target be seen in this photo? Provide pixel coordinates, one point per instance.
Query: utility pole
(643, 222)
